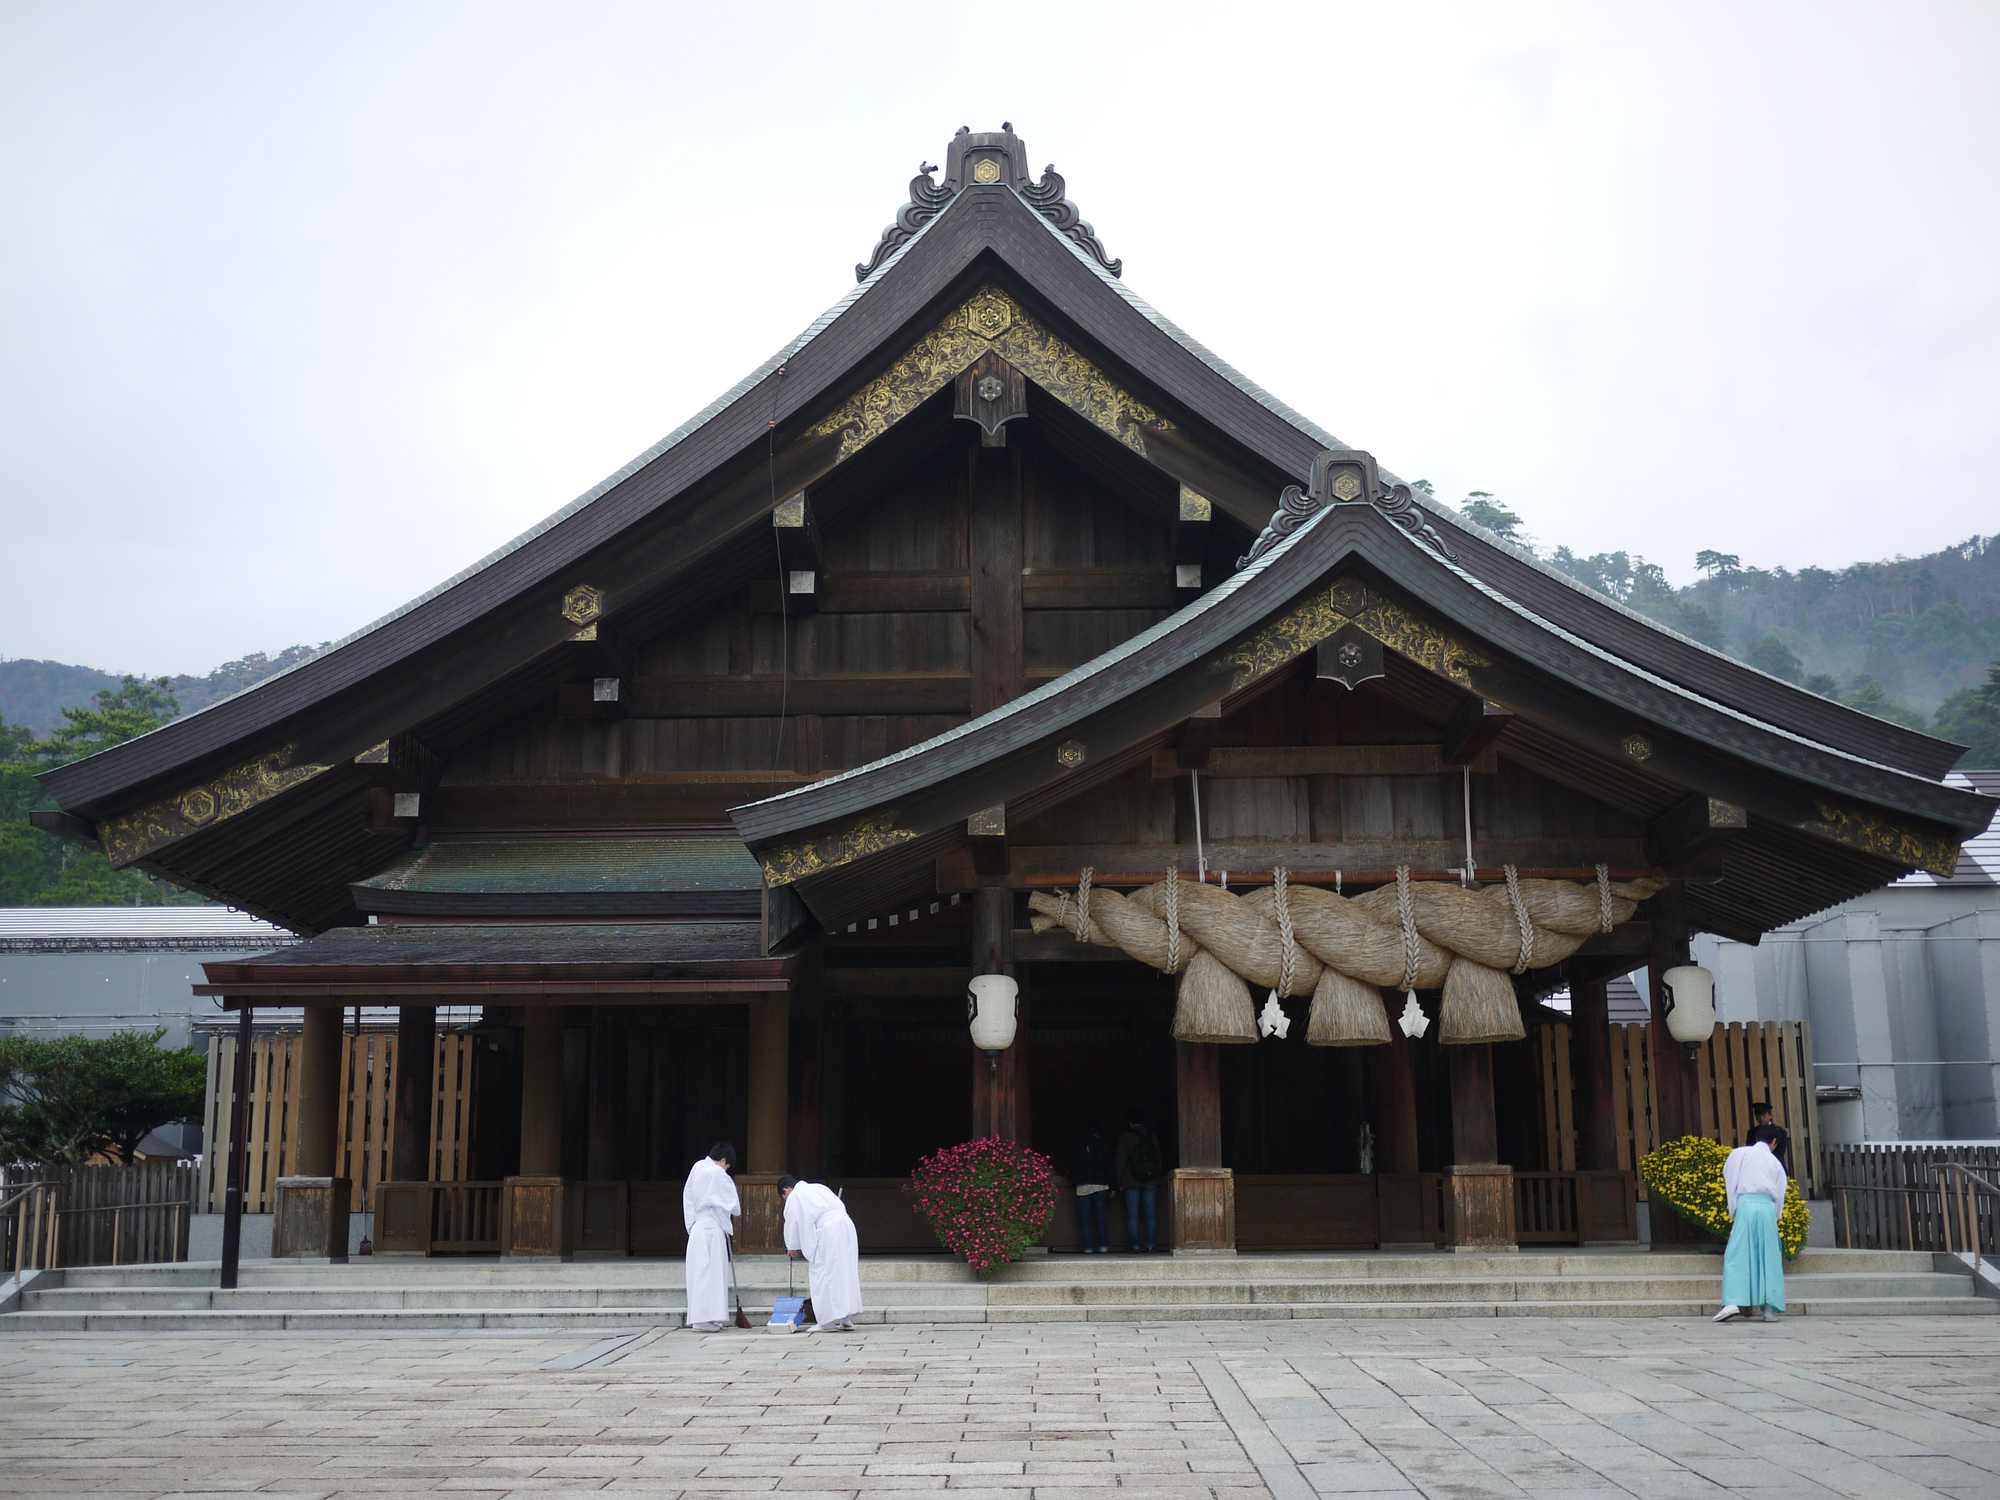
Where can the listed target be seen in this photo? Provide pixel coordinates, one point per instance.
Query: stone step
(602, 1320)
(661, 1298)
(1461, 1289)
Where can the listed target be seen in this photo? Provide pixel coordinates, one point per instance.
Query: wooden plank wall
(1745, 1062)
(367, 1115)
(1742, 1064)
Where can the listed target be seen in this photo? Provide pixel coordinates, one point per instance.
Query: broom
(741, 1321)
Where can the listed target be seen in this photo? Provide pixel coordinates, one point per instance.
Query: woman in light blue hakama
(1753, 1267)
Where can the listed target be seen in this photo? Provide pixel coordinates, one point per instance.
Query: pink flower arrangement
(988, 1199)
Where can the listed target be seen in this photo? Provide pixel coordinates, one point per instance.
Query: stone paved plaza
(1871, 1408)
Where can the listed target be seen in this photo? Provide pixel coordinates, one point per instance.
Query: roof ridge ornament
(990, 158)
(1048, 199)
(927, 201)
(1346, 476)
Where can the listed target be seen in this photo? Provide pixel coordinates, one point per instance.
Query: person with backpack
(1138, 1167)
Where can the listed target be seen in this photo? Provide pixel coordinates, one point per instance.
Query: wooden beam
(67, 826)
(1694, 826)
(765, 696)
(1473, 728)
(1249, 862)
(1191, 528)
(1097, 588)
(902, 982)
(799, 566)
(986, 837)
(1239, 761)
(1194, 742)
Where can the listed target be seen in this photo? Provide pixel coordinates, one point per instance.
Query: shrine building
(995, 627)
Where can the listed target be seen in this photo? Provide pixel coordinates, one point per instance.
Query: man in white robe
(708, 1203)
(817, 1228)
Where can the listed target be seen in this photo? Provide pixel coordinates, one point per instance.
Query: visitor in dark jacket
(1090, 1168)
(1138, 1166)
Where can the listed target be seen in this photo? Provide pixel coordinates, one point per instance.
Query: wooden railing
(1545, 1208)
(95, 1216)
(1574, 1208)
(1971, 1206)
(1890, 1196)
(437, 1218)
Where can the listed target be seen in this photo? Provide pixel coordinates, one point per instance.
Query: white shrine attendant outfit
(817, 1226)
(1753, 1267)
(708, 1203)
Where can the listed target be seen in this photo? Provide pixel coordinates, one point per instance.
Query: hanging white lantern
(1689, 997)
(989, 1006)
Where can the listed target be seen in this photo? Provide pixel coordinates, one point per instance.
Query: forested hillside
(1913, 639)
(33, 694)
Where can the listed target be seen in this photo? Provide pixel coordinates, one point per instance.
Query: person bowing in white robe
(817, 1228)
(708, 1203)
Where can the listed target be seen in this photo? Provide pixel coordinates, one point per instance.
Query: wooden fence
(367, 1113)
(1889, 1196)
(95, 1216)
(1740, 1065)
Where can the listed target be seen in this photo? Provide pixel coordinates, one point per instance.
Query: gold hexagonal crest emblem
(582, 604)
(1346, 487)
(1069, 754)
(988, 316)
(986, 171)
(1638, 747)
(198, 805)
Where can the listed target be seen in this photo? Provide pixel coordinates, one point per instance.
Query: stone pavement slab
(1868, 1408)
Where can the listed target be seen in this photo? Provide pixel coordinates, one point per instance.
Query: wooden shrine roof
(1585, 714)
(515, 959)
(623, 872)
(252, 800)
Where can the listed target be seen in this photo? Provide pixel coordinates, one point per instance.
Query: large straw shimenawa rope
(1410, 935)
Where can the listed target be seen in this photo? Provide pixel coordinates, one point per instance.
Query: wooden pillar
(1590, 1063)
(312, 1207)
(1474, 1135)
(416, 1082)
(608, 1085)
(319, 1090)
(1203, 1211)
(535, 1206)
(1395, 1105)
(761, 1229)
(1673, 1074)
(1676, 1113)
(1000, 1086)
(542, 1091)
(1479, 1191)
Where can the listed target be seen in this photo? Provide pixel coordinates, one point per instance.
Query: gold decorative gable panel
(1350, 601)
(1919, 848)
(786, 863)
(989, 320)
(132, 836)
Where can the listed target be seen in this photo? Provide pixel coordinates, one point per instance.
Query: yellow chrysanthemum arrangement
(1686, 1175)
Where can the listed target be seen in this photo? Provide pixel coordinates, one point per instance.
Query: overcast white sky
(304, 307)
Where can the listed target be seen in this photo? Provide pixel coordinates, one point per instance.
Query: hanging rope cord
(1288, 953)
(1174, 918)
(1412, 954)
(1605, 920)
(1521, 919)
(1083, 905)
